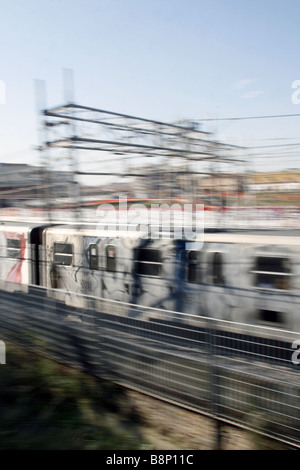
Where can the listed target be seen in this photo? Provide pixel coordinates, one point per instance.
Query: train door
(91, 271)
(190, 280)
(37, 255)
(110, 283)
(116, 268)
(62, 261)
(154, 274)
(62, 267)
(273, 280)
(220, 296)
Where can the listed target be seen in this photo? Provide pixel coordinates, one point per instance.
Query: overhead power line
(274, 146)
(241, 118)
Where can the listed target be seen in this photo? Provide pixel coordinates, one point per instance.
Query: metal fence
(236, 373)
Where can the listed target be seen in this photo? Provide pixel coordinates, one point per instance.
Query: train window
(93, 256)
(63, 254)
(111, 258)
(148, 262)
(217, 269)
(272, 272)
(13, 248)
(193, 266)
(270, 316)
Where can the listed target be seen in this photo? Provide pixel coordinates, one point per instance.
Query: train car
(242, 276)
(19, 254)
(253, 277)
(80, 260)
(120, 265)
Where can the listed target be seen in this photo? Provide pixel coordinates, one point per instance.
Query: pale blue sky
(160, 59)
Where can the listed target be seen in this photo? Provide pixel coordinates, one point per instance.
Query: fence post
(214, 379)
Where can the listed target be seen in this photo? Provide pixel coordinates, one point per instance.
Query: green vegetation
(45, 405)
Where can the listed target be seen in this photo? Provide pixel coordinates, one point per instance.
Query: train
(245, 276)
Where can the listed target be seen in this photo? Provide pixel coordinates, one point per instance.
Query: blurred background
(201, 104)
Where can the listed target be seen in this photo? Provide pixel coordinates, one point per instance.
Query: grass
(47, 406)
